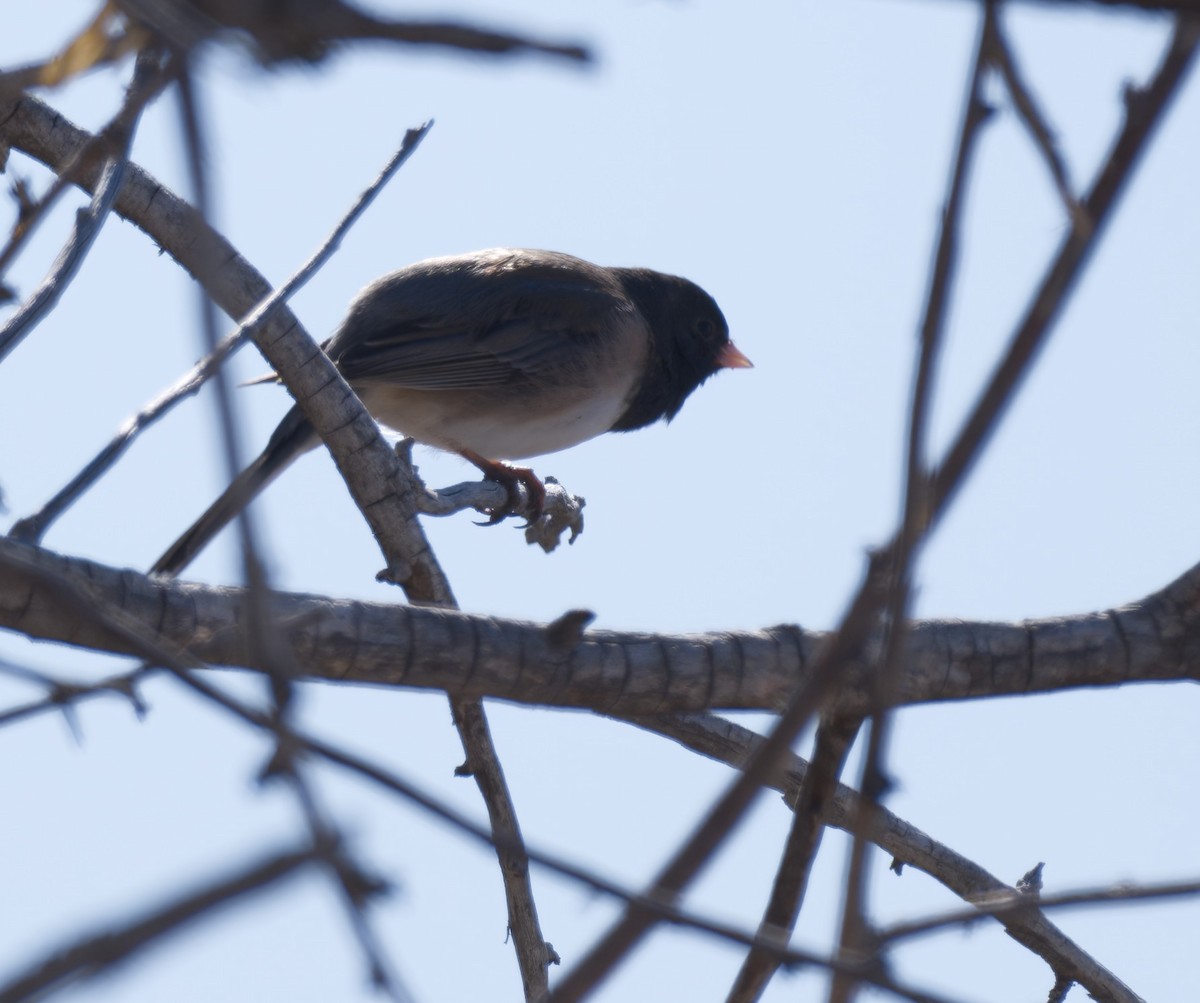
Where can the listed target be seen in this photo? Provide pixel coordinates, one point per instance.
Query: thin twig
(1024, 103)
(92, 955)
(227, 426)
(83, 234)
(63, 696)
(265, 632)
(534, 954)
(1008, 902)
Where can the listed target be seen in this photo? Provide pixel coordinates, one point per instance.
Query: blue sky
(791, 158)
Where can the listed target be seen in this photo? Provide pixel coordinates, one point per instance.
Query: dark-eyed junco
(504, 354)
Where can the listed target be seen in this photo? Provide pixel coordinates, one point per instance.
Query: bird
(503, 354)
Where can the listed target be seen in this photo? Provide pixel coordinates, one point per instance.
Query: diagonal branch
(383, 487)
(809, 817)
(733, 745)
(99, 952)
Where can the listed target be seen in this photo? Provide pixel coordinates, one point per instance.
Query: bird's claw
(510, 478)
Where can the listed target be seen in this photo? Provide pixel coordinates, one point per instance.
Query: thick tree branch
(1156, 639)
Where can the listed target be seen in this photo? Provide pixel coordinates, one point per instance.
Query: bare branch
(718, 739)
(1154, 639)
(357, 889)
(95, 954)
(1027, 110)
(1144, 111)
(534, 954)
(732, 744)
(64, 696)
(809, 812)
(1005, 903)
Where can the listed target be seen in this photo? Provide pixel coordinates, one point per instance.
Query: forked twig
(1028, 112)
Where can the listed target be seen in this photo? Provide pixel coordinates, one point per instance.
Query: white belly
(497, 429)
(518, 437)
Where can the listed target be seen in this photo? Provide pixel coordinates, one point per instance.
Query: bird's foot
(510, 477)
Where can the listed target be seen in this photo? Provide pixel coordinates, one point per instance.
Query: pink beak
(731, 357)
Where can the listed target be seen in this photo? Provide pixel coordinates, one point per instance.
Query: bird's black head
(690, 342)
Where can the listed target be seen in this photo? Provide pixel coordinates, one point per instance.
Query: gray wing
(478, 321)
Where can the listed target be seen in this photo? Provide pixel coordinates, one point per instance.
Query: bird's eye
(705, 329)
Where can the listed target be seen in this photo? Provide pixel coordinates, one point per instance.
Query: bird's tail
(293, 437)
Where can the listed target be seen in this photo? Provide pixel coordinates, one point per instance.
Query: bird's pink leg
(510, 477)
